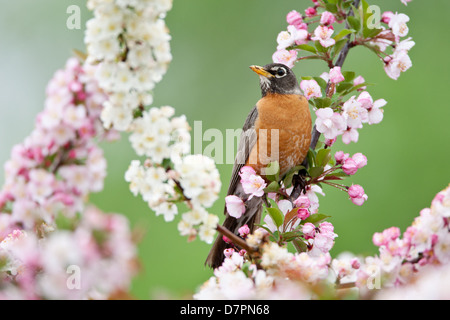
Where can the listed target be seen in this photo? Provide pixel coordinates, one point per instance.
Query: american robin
(280, 122)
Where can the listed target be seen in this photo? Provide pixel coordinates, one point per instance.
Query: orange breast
(283, 132)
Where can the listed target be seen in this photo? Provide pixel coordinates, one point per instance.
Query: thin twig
(238, 241)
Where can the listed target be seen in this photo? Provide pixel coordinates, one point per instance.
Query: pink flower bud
(386, 16)
(355, 263)
(244, 231)
(294, 18)
(227, 240)
(309, 230)
(357, 195)
(359, 80)
(350, 167)
(360, 159)
(355, 191)
(310, 12)
(228, 252)
(340, 157)
(302, 202)
(336, 75)
(330, 142)
(302, 213)
(327, 18)
(242, 252)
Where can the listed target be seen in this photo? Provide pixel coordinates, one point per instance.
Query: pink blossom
(294, 18)
(329, 123)
(375, 113)
(302, 202)
(309, 230)
(311, 89)
(336, 75)
(340, 157)
(303, 213)
(396, 64)
(349, 166)
(330, 142)
(327, 18)
(244, 231)
(349, 135)
(398, 25)
(324, 240)
(235, 206)
(285, 57)
(354, 113)
(228, 252)
(360, 160)
(357, 195)
(254, 186)
(323, 35)
(405, 2)
(359, 80)
(390, 234)
(300, 36)
(246, 172)
(386, 16)
(310, 12)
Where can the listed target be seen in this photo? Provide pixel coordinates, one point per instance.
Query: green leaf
(339, 45)
(287, 181)
(331, 7)
(349, 75)
(322, 83)
(290, 235)
(315, 219)
(344, 86)
(371, 32)
(311, 156)
(306, 47)
(272, 187)
(319, 47)
(306, 78)
(314, 172)
(342, 34)
(300, 245)
(272, 171)
(323, 156)
(354, 23)
(276, 215)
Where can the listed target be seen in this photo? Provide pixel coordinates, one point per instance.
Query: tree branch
(339, 62)
(238, 241)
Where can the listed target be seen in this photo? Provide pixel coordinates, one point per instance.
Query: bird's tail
(251, 217)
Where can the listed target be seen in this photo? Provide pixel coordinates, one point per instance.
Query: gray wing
(246, 143)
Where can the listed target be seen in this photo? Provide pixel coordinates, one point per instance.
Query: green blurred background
(213, 43)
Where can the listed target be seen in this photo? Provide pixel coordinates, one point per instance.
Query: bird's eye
(281, 72)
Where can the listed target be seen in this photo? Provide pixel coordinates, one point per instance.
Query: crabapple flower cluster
(58, 164)
(345, 120)
(281, 275)
(403, 266)
(129, 41)
(424, 243)
(46, 230)
(194, 180)
(94, 260)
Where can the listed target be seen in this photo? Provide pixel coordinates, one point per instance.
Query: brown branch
(238, 241)
(339, 62)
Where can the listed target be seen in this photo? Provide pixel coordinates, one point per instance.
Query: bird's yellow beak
(261, 71)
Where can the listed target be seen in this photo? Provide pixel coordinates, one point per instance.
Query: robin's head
(277, 78)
